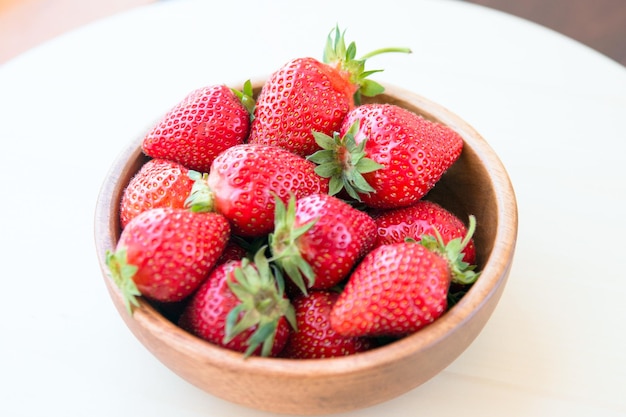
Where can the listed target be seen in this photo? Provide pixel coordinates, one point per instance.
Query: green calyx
(246, 96)
(344, 161)
(201, 197)
(122, 273)
(260, 289)
(336, 53)
(462, 272)
(283, 244)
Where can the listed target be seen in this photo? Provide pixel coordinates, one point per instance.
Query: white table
(553, 110)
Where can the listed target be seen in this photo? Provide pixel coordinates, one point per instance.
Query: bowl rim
(491, 280)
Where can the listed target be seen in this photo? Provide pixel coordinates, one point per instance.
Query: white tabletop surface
(552, 109)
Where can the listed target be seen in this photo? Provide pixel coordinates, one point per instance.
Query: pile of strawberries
(293, 223)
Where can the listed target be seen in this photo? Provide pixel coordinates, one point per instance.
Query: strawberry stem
(344, 161)
(343, 57)
(246, 96)
(284, 244)
(461, 271)
(384, 51)
(201, 198)
(262, 304)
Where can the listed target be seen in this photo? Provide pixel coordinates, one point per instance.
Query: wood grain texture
(477, 184)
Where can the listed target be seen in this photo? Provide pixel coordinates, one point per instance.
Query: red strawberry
(202, 125)
(314, 337)
(387, 156)
(232, 252)
(399, 288)
(421, 218)
(159, 183)
(241, 307)
(243, 180)
(307, 95)
(321, 238)
(165, 253)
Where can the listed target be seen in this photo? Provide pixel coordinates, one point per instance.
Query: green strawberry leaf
(370, 88)
(461, 271)
(365, 165)
(325, 142)
(122, 274)
(337, 54)
(246, 96)
(201, 198)
(283, 242)
(262, 303)
(344, 162)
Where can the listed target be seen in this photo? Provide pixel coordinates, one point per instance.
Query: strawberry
(321, 238)
(402, 287)
(159, 183)
(243, 180)
(306, 95)
(232, 252)
(314, 337)
(241, 307)
(421, 218)
(386, 156)
(207, 121)
(164, 254)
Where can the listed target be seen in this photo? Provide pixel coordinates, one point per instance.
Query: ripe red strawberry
(203, 124)
(241, 307)
(320, 238)
(232, 252)
(400, 288)
(243, 180)
(159, 183)
(164, 254)
(387, 156)
(307, 95)
(394, 226)
(314, 338)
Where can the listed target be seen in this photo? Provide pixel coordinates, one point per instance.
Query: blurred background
(599, 24)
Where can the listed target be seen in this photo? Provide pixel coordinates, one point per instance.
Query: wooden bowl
(476, 184)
